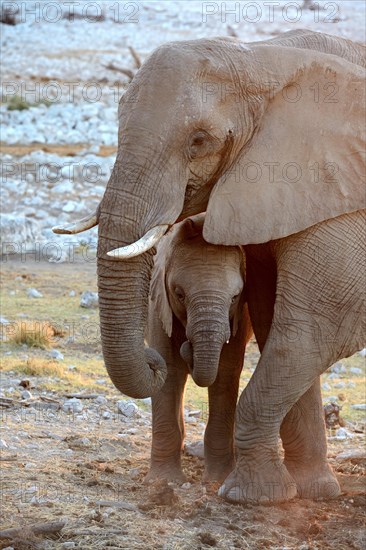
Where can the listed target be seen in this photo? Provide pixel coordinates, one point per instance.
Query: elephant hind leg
(304, 439)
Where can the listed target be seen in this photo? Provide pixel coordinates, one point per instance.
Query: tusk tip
(61, 231)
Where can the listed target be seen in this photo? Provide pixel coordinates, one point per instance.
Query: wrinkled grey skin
(305, 289)
(198, 321)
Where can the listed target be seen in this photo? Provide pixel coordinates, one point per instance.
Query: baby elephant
(199, 323)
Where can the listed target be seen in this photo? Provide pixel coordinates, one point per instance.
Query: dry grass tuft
(40, 367)
(35, 334)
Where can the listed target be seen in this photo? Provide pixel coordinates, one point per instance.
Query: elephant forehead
(198, 252)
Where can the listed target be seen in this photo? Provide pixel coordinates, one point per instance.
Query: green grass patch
(17, 103)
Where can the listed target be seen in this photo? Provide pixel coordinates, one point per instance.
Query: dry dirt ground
(87, 468)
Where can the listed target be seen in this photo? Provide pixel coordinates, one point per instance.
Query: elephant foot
(253, 484)
(317, 482)
(165, 471)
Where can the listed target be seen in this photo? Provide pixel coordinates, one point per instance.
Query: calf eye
(234, 298)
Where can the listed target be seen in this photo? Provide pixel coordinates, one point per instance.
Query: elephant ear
(305, 162)
(158, 293)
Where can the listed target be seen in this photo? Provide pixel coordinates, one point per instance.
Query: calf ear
(191, 227)
(238, 314)
(158, 293)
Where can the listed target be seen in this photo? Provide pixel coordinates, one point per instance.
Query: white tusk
(77, 227)
(144, 244)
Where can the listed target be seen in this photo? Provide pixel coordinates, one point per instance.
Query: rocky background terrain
(74, 452)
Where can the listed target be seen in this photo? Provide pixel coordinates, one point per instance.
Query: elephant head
(202, 286)
(267, 137)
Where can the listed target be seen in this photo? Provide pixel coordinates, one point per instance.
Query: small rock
(363, 352)
(26, 394)
(338, 368)
(146, 401)
(134, 473)
(355, 370)
(342, 434)
(3, 321)
(127, 408)
(186, 485)
(340, 385)
(3, 444)
(81, 442)
(333, 375)
(71, 367)
(68, 545)
(34, 293)
(72, 405)
(101, 400)
(132, 431)
(195, 449)
(101, 382)
(359, 406)
(89, 299)
(326, 387)
(70, 206)
(106, 414)
(55, 354)
(72, 293)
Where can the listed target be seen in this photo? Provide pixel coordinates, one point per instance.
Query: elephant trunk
(123, 292)
(206, 333)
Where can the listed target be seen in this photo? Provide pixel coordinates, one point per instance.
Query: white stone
(70, 206)
(355, 370)
(359, 406)
(26, 394)
(342, 433)
(89, 299)
(34, 293)
(72, 405)
(101, 400)
(127, 408)
(55, 354)
(3, 444)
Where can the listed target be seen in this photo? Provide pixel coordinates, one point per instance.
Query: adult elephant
(268, 138)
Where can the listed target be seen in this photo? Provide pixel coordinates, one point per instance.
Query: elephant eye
(179, 293)
(199, 145)
(234, 298)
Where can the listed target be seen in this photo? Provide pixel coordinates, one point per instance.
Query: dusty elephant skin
(213, 125)
(198, 321)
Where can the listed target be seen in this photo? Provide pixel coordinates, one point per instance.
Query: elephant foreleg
(168, 429)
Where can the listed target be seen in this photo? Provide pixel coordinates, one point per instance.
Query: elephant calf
(198, 322)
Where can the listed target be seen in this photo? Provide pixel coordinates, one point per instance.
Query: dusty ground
(88, 467)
